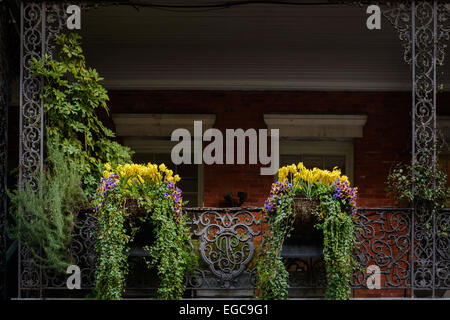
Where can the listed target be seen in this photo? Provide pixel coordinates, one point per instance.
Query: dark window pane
(192, 198)
(188, 185)
(187, 170)
(165, 158)
(313, 161)
(286, 160)
(335, 161)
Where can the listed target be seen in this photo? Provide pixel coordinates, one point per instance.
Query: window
(158, 151)
(320, 154)
(318, 140)
(148, 135)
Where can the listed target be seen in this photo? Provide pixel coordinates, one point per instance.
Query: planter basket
(303, 209)
(304, 230)
(133, 208)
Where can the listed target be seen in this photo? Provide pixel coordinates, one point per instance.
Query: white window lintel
(317, 125)
(158, 125)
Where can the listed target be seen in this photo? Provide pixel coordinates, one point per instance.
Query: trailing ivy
(154, 189)
(272, 274)
(72, 96)
(170, 253)
(338, 245)
(335, 218)
(110, 245)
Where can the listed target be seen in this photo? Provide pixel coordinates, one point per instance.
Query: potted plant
(420, 182)
(320, 196)
(133, 193)
(306, 186)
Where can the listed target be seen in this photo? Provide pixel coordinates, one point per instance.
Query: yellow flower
(298, 173)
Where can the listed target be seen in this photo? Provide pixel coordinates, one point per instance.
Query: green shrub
(72, 94)
(45, 219)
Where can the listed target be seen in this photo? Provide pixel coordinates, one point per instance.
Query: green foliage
(337, 207)
(72, 94)
(429, 186)
(170, 253)
(110, 245)
(307, 189)
(272, 274)
(45, 219)
(338, 245)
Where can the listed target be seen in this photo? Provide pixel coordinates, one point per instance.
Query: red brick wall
(387, 135)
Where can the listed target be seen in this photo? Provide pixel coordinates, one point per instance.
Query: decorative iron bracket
(40, 23)
(423, 28)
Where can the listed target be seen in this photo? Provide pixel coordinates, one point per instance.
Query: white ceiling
(246, 47)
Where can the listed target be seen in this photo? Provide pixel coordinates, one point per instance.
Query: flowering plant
(335, 217)
(279, 189)
(306, 181)
(346, 195)
(155, 189)
(137, 181)
(272, 275)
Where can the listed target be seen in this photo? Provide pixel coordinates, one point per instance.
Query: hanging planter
(309, 201)
(134, 208)
(129, 198)
(305, 219)
(304, 209)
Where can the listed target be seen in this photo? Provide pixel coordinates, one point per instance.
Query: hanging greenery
(45, 218)
(430, 186)
(335, 217)
(336, 212)
(72, 97)
(272, 275)
(77, 143)
(154, 187)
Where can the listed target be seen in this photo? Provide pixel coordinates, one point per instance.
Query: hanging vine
(154, 187)
(335, 217)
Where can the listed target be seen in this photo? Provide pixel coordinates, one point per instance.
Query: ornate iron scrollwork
(82, 252)
(37, 34)
(399, 15)
(306, 273)
(31, 128)
(4, 99)
(442, 252)
(227, 242)
(384, 241)
(424, 28)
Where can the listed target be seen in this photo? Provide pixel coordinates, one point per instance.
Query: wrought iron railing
(227, 242)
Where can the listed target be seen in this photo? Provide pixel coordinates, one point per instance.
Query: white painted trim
(158, 125)
(317, 125)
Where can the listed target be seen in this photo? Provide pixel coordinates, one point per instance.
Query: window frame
(157, 145)
(321, 148)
